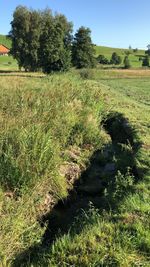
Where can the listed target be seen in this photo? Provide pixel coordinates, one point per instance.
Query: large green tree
(19, 35)
(55, 43)
(25, 33)
(41, 40)
(83, 49)
(34, 40)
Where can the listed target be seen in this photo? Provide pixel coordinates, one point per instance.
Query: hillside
(5, 41)
(134, 56)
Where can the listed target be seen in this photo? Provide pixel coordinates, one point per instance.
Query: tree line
(115, 60)
(43, 41)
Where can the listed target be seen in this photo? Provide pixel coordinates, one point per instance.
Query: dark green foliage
(33, 41)
(55, 43)
(83, 49)
(140, 58)
(41, 40)
(25, 34)
(115, 59)
(147, 52)
(126, 62)
(19, 35)
(102, 60)
(145, 62)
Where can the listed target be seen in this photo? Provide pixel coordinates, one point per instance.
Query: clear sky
(115, 23)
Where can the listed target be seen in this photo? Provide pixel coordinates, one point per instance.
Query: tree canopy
(41, 40)
(83, 49)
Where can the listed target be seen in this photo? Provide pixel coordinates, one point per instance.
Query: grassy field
(60, 128)
(7, 63)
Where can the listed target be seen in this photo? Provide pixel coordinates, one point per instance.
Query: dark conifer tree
(115, 59)
(126, 62)
(83, 49)
(145, 62)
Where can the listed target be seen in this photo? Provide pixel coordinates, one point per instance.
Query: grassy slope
(122, 237)
(111, 238)
(33, 145)
(107, 52)
(5, 41)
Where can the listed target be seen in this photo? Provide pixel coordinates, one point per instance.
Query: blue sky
(116, 23)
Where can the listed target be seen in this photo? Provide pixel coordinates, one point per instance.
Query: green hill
(134, 56)
(5, 40)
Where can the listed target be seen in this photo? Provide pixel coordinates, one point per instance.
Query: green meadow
(62, 128)
(75, 166)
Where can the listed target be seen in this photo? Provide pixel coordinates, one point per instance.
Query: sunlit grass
(42, 117)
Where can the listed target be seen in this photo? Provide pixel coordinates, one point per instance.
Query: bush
(126, 63)
(87, 74)
(145, 62)
(102, 60)
(115, 59)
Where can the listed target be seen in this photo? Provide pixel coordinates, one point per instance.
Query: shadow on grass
(97, 185)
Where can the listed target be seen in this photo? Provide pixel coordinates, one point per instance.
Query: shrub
(115, 59)
(145, 62)
(102, 60)
(126, 63)
(87, 74)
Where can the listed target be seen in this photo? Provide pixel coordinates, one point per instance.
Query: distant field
(134, 56)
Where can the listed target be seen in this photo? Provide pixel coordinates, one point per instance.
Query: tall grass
(40, 118)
